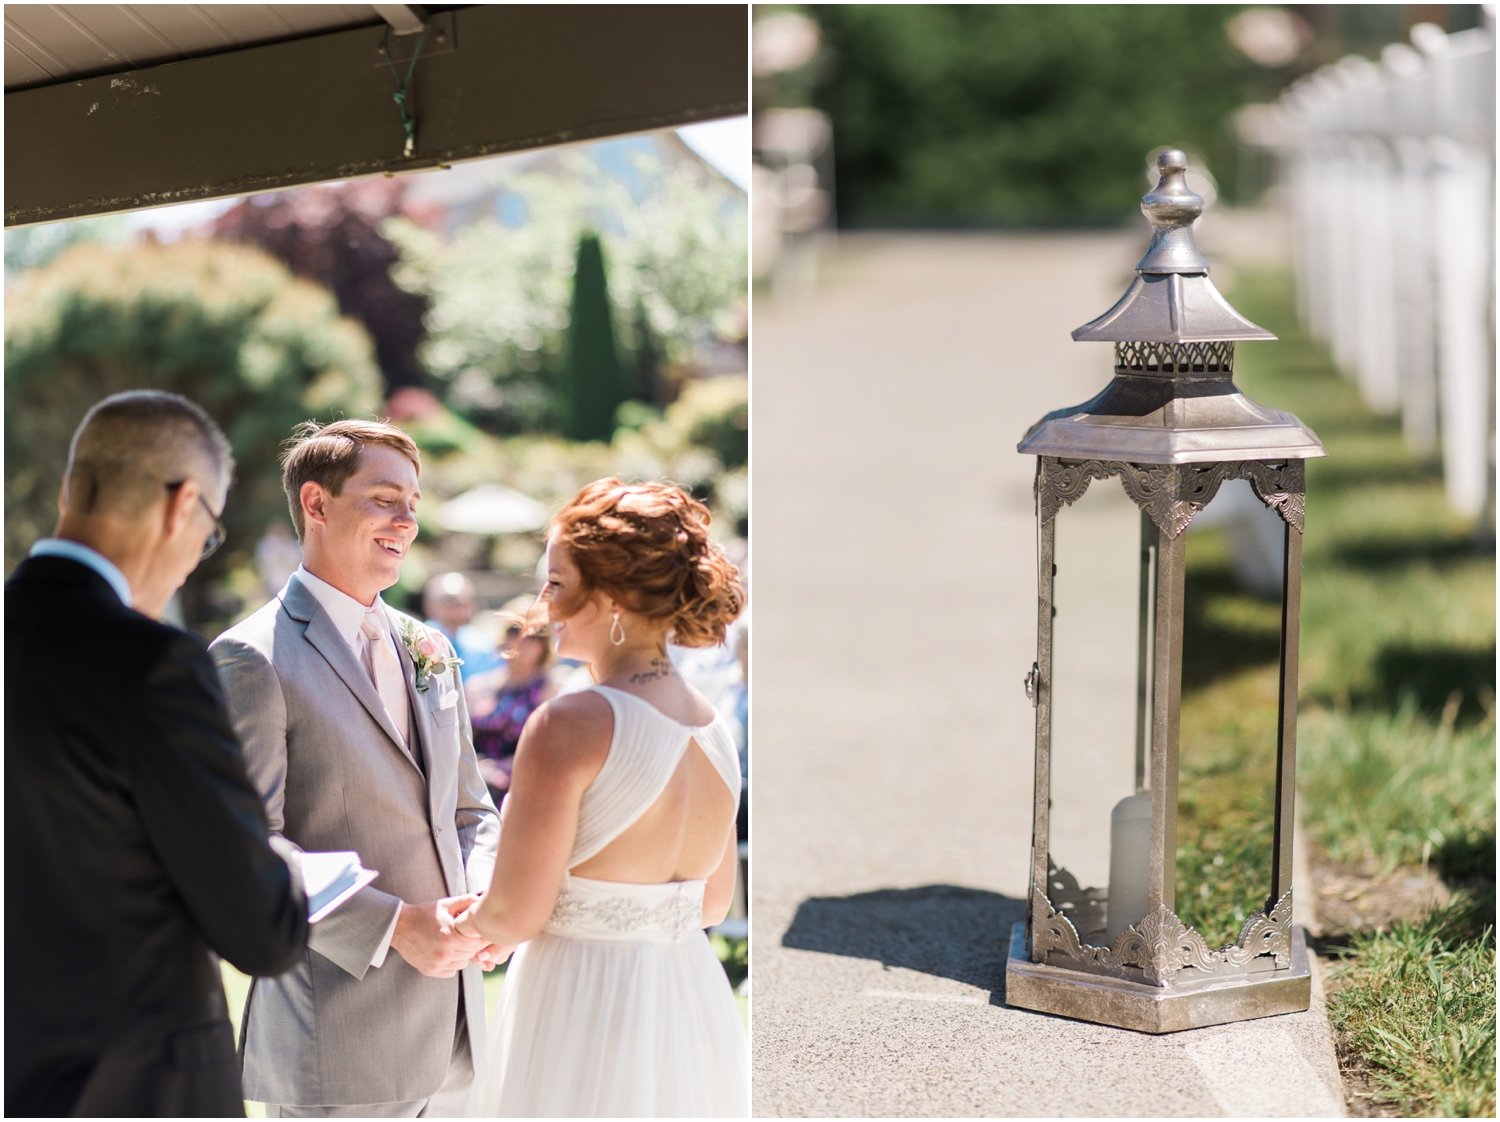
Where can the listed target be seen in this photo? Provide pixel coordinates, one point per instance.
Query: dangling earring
(616, 627)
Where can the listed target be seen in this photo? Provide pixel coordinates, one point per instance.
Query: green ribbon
(408, 122)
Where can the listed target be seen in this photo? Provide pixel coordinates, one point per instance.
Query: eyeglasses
(216, 538)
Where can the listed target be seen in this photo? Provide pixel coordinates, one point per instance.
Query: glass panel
(1230, 675)
(1094, 695)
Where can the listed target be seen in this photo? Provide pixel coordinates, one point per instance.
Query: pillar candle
(1129, 863)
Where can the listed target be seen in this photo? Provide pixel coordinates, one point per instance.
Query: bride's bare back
(681, 837)
(687, 833)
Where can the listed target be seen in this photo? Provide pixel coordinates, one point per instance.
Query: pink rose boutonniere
(429, 653)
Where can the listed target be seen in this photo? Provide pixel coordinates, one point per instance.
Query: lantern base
(1156, 1009)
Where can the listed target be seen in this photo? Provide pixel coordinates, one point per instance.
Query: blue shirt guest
(448, 601)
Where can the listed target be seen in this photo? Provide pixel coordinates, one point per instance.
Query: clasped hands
(429, 938)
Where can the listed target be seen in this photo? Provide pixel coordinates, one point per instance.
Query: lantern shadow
(1430, 675)
(938, 929)
(1379, 556)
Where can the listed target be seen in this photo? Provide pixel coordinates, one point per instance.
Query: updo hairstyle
(646, 546)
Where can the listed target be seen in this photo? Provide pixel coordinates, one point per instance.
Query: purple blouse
(497, 733)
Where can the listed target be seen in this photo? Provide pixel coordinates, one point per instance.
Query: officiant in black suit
(135, 843)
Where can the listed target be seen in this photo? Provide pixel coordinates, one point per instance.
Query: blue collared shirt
(75, 551)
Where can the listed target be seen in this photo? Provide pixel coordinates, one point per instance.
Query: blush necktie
(384, 669)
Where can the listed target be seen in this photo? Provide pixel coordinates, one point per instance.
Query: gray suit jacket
(323, 753)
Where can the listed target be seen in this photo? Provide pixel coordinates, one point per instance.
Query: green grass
(1225, 803)
(1396, 735)
(494, 982)
(735, 955)
(1398, 594)
(1389, 789)
(236, 989)
(1416, 1007)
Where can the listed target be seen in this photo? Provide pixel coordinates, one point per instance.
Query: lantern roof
(1170, 308)
(1171, 299)
(1173, 399)
(1171, 421)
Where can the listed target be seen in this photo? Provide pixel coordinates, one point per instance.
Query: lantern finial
(1172, 208)
(1171, 299)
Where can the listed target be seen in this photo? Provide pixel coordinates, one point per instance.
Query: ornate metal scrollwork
(1053, 931)
(1161, 946)
(1170, 495)
(1173, 493)
(1059, 483)
(1283, 488)
(1268, 932)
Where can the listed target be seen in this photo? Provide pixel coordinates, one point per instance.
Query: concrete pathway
(894, 618)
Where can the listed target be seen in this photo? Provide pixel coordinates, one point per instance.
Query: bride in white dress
(617, 844)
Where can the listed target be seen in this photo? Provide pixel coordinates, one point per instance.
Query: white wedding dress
(620, 1008)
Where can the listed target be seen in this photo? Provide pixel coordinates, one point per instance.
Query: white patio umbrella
(492, 509)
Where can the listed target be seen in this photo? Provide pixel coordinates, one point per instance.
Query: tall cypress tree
(593, 382)
(645, 368)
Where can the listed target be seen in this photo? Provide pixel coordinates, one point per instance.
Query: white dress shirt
(348, 615)
(76, 551)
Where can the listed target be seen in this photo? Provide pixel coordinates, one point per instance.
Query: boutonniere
(428, 653)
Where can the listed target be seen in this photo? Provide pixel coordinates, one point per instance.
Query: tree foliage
(222, 324)
(331, 235)
(500, 293)
(1020, 113)
(31, 247)
(593, 382)
(715, 414)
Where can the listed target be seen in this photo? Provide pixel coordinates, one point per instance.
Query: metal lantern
(1173, 428)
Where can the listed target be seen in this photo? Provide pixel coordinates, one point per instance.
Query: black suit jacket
(134, 843)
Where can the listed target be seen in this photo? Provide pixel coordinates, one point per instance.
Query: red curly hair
(646, 546)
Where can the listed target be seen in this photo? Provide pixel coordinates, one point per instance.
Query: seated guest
(136, 844)
(448, 601)
(500, 702)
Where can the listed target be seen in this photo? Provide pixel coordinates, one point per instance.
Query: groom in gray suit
(355, 731)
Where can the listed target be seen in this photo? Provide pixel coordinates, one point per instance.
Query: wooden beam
(491, 79)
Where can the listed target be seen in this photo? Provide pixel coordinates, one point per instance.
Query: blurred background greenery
(535, 321)
(1018, 114)
(1042, 114)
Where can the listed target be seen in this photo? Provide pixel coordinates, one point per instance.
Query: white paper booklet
(331, 878)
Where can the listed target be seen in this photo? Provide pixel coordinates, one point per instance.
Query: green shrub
(715, 414)
(225, 325)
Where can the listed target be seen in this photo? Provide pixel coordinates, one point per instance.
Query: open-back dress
(620, 1007)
